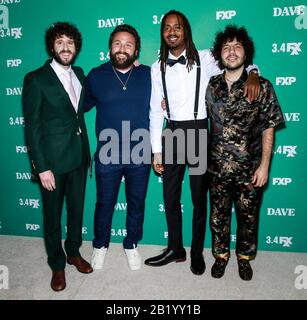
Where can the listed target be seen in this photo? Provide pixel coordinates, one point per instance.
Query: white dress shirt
(63, 74)
(181, 87)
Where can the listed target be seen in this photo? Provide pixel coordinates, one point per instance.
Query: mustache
(65, 51)
(123, 53)
(172, 36)
(232, 55)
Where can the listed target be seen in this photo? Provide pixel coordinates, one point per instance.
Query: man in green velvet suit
(59, 149)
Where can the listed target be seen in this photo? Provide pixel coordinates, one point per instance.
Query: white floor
(29, 276)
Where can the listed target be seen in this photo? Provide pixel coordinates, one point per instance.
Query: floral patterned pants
(224, 192)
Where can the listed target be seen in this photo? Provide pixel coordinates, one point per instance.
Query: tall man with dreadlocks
(181, 76)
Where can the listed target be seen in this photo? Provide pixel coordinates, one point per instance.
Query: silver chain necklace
(124, 84)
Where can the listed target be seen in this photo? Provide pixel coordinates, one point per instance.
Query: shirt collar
(59, 69)
(171, 56)
(242, 78)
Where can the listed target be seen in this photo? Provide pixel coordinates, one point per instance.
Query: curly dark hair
(229, 34)
(191, 52)
(127, 28)
(58, 29)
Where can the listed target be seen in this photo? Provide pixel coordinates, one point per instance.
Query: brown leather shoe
(81, 265)
(58, 282)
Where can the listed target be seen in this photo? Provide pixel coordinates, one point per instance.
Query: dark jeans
(108, 179)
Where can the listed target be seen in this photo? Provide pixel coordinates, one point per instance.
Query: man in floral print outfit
(241, 141)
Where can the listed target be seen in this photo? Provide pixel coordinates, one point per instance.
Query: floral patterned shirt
(236, 126)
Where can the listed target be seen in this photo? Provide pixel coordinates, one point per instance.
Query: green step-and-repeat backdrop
(278, 28)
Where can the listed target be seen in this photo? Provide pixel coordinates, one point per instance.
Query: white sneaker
(98, 258)
(134, 258)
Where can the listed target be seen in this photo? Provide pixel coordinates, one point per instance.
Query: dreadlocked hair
(191, 52)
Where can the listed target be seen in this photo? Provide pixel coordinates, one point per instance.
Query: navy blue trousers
(108, 179)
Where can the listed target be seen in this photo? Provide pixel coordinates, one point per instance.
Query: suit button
(78, 133)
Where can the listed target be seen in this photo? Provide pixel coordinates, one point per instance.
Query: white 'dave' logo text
(281, 212)
(110, 23)
(288, 11)
(120, 206)
(292, 116)
(23, 175)
(14, 91)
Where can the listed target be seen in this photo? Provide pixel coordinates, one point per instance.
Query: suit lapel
(54, 81)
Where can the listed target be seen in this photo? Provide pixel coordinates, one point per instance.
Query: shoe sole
(197, 273)
(246, 279)
(97, 268)
(134, 268)
(79, 269)
(58, 290)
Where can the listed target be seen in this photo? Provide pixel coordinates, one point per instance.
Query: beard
(61, 61)
(121, 63)
(233, 67)
(174, 44)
